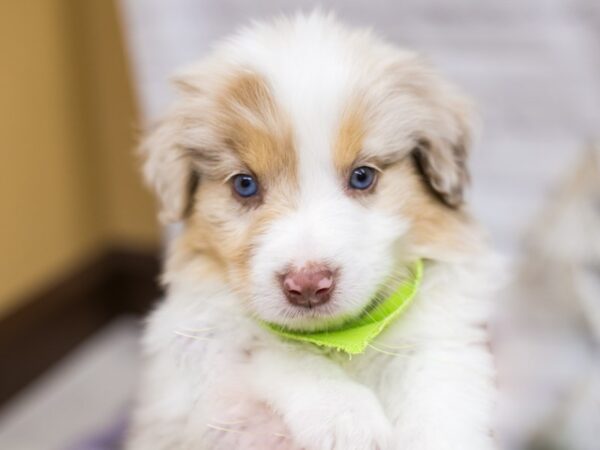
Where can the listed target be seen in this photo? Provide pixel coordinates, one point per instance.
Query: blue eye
(362, 178)
(245, 185)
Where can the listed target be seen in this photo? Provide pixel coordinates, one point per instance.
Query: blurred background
(80, 242)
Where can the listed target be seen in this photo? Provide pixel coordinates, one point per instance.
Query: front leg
(443, 399)
(321, 406)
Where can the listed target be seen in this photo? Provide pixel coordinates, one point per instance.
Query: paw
(347, 420)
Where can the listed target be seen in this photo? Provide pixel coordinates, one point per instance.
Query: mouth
(312, 318)
(353, 333)
(327, 316)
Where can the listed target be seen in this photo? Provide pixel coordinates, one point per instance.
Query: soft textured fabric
(355, 335)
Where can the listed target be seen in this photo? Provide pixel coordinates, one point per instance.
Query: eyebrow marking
(256, 129)
(351, 132)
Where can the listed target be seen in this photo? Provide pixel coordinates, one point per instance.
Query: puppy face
(311, 163)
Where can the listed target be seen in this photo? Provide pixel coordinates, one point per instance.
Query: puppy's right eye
(245, 185)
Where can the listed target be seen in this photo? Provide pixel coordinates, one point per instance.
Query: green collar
(354, 336)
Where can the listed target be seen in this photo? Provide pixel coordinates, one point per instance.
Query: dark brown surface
(55, 320)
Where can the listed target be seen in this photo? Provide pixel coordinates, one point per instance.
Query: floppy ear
(443, 146)
(168, 170)
(168, 161)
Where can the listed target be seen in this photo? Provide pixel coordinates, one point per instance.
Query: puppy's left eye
(245, 185)
(362, 178)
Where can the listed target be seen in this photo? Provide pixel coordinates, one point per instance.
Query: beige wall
(68, 180)
(112, 117)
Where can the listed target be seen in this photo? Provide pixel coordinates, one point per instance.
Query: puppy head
(312, 163)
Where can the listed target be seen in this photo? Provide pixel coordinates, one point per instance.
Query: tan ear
(166, 149)
(443, 147)
(168, 170)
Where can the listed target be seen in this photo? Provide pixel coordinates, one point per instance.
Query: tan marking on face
(258, 136)
(434, 229)
(226, 233)
(256, 129)
(282, 201)
(403, 191)
(349, 141)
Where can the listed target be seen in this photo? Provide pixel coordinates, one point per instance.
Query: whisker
(231, 430)
(394, 346)
(386, 352)
(227, 430)
(198, 330)
(368, 314)
(191, 336)
(233, 422)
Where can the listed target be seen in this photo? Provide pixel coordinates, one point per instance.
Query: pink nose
(309, 286)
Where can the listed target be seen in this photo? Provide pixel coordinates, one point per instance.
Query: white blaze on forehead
(313, 89)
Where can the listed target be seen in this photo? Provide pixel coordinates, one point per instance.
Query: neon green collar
(355, 335)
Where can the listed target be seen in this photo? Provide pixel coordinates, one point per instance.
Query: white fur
(215, 379)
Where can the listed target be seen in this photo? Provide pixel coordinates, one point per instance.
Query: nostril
(325, 281)
(323, 291)
(291, 286)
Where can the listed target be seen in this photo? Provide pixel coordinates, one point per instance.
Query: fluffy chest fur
(433, 362)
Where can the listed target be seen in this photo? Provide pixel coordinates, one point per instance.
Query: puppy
(309, 163)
